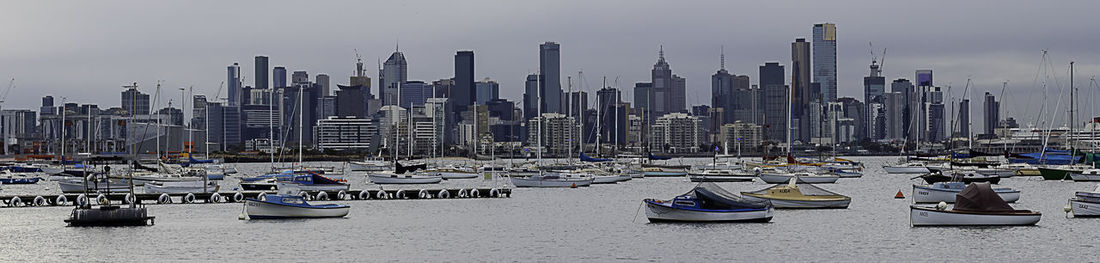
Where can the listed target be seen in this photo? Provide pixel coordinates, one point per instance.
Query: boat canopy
(980, 197)
(713, 196)
(586, 158)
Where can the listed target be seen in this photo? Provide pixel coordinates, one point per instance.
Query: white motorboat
(802, 177)
(175, 187)
(976, 205)
(387, 177)
(1085, 204)
(97, 185)
(906, 168)
(1086, 175)
(708, 203)
(288, 204)
(452, 173)
(721, 175)
(369, 165)
(551, 179)
(946, 191)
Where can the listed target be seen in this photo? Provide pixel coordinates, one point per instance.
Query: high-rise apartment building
(775, 96)
(393, 73)
(824, 59)
(261, 76)
(550, 73)
(233, 83)
(800, 89)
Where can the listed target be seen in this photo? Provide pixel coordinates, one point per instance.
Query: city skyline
(625, 48)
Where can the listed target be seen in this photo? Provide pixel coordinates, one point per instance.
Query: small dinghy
(706, 203)
(976, 205)
(946, 191)
(793, 195)
(287, 204)
(803, 177)
(1085, 204)
(1088, 175)
(965, 177)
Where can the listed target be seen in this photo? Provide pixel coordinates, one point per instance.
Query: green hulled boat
(1060, 172)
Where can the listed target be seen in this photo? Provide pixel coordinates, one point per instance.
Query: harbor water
(593, 224)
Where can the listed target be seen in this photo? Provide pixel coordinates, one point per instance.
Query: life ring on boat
(238, 197)
(15, 201)
(130, 198)
(494, 193)
(189, 198)
(474, 193)
(423, 194)
(381, 194)
(61, 200)
(216, 198)
(164, 199)
(461, 193)
(443, 193)
(40, 201)
(364, 195)
(102, 199)
(81, 200)
(341, 195)
(262, 196)
(304, 195)
(400, 194)
(322, 195)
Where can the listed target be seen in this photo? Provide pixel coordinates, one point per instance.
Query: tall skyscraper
(530, 97)
(47, 106)
(393, 73)
(234, 84)
(261, 76)
(669, 90)
(135, 102)
(800, 88)
(964, 118)
(721, 92)
(463, 94)
(299, 77)
(550, 71)
(323, 81)
(487, 89)
(924, 78)
(644, 100)
(874, 92)
(278, 77)
(904, 90)
(775, 99)
(992, 113)
(824, 59)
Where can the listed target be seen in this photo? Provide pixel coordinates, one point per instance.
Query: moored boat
(906, 168)
(802, 177)
(976, 205)
(793, 195)
(1086, 175)
(387, 177)
(550, 179)
(1085, 204)
(287, 204)
(663, 172)
(721, 175)
(705, 203)
(172, 187)
(1060, 172)
(946, 191)
(959, 176)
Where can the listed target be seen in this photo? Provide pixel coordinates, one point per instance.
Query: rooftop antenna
(661, 52)
(722, 59)
(358, 63)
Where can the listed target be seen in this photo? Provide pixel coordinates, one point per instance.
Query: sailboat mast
(538, 82)
(301, 120)
(569, 113)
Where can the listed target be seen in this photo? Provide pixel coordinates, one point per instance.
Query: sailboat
(539, 177)
(777, 176)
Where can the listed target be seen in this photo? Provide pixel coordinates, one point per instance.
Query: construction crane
(11, 86)
(877, 63)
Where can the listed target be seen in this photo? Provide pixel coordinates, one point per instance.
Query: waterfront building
(741, 136)
(557, 130)
(346, 133)
(676, 133)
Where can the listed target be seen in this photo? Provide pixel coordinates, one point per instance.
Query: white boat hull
(1084, 177)
(933, 217)
(369, 167)
(799, 204)
(455, 175)
(77, 186)
(925, 194)
(180, 187)
(535, 181)
(782, 178)
(905, 169)
(1084, 209)
(387, 178)
(261, 210)
(606, 179)
(659, 213)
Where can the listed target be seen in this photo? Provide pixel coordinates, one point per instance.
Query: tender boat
(9, 177)
(721, 175)
(387, 177)
(663, 172)
(1087, 175)
(549, 179)
(946, 191)
(976, 205)
(803, 177)
(706, 203)
(793, 195)
(964, 176)
(373, 165)
(287, 204)
(176, 187)
(1085, 204)
(99, 184)
(906, 168)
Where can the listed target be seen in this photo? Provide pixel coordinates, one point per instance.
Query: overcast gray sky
(86, 50)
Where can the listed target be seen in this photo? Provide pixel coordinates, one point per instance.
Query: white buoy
(941, 206)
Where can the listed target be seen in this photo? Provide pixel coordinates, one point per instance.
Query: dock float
(73, 199)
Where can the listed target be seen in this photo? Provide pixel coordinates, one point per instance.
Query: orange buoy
(573, 186)
(899, 195)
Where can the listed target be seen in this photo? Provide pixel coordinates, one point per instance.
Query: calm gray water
(599, 223)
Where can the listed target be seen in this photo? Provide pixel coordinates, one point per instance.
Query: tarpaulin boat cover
(658, 158)
(586, 158)
(714, 197)
(401, 169)
(980, 197)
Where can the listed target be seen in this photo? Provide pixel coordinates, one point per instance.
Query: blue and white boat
(9, 177)
(287, 204)
(306, 181)
(708, 202)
